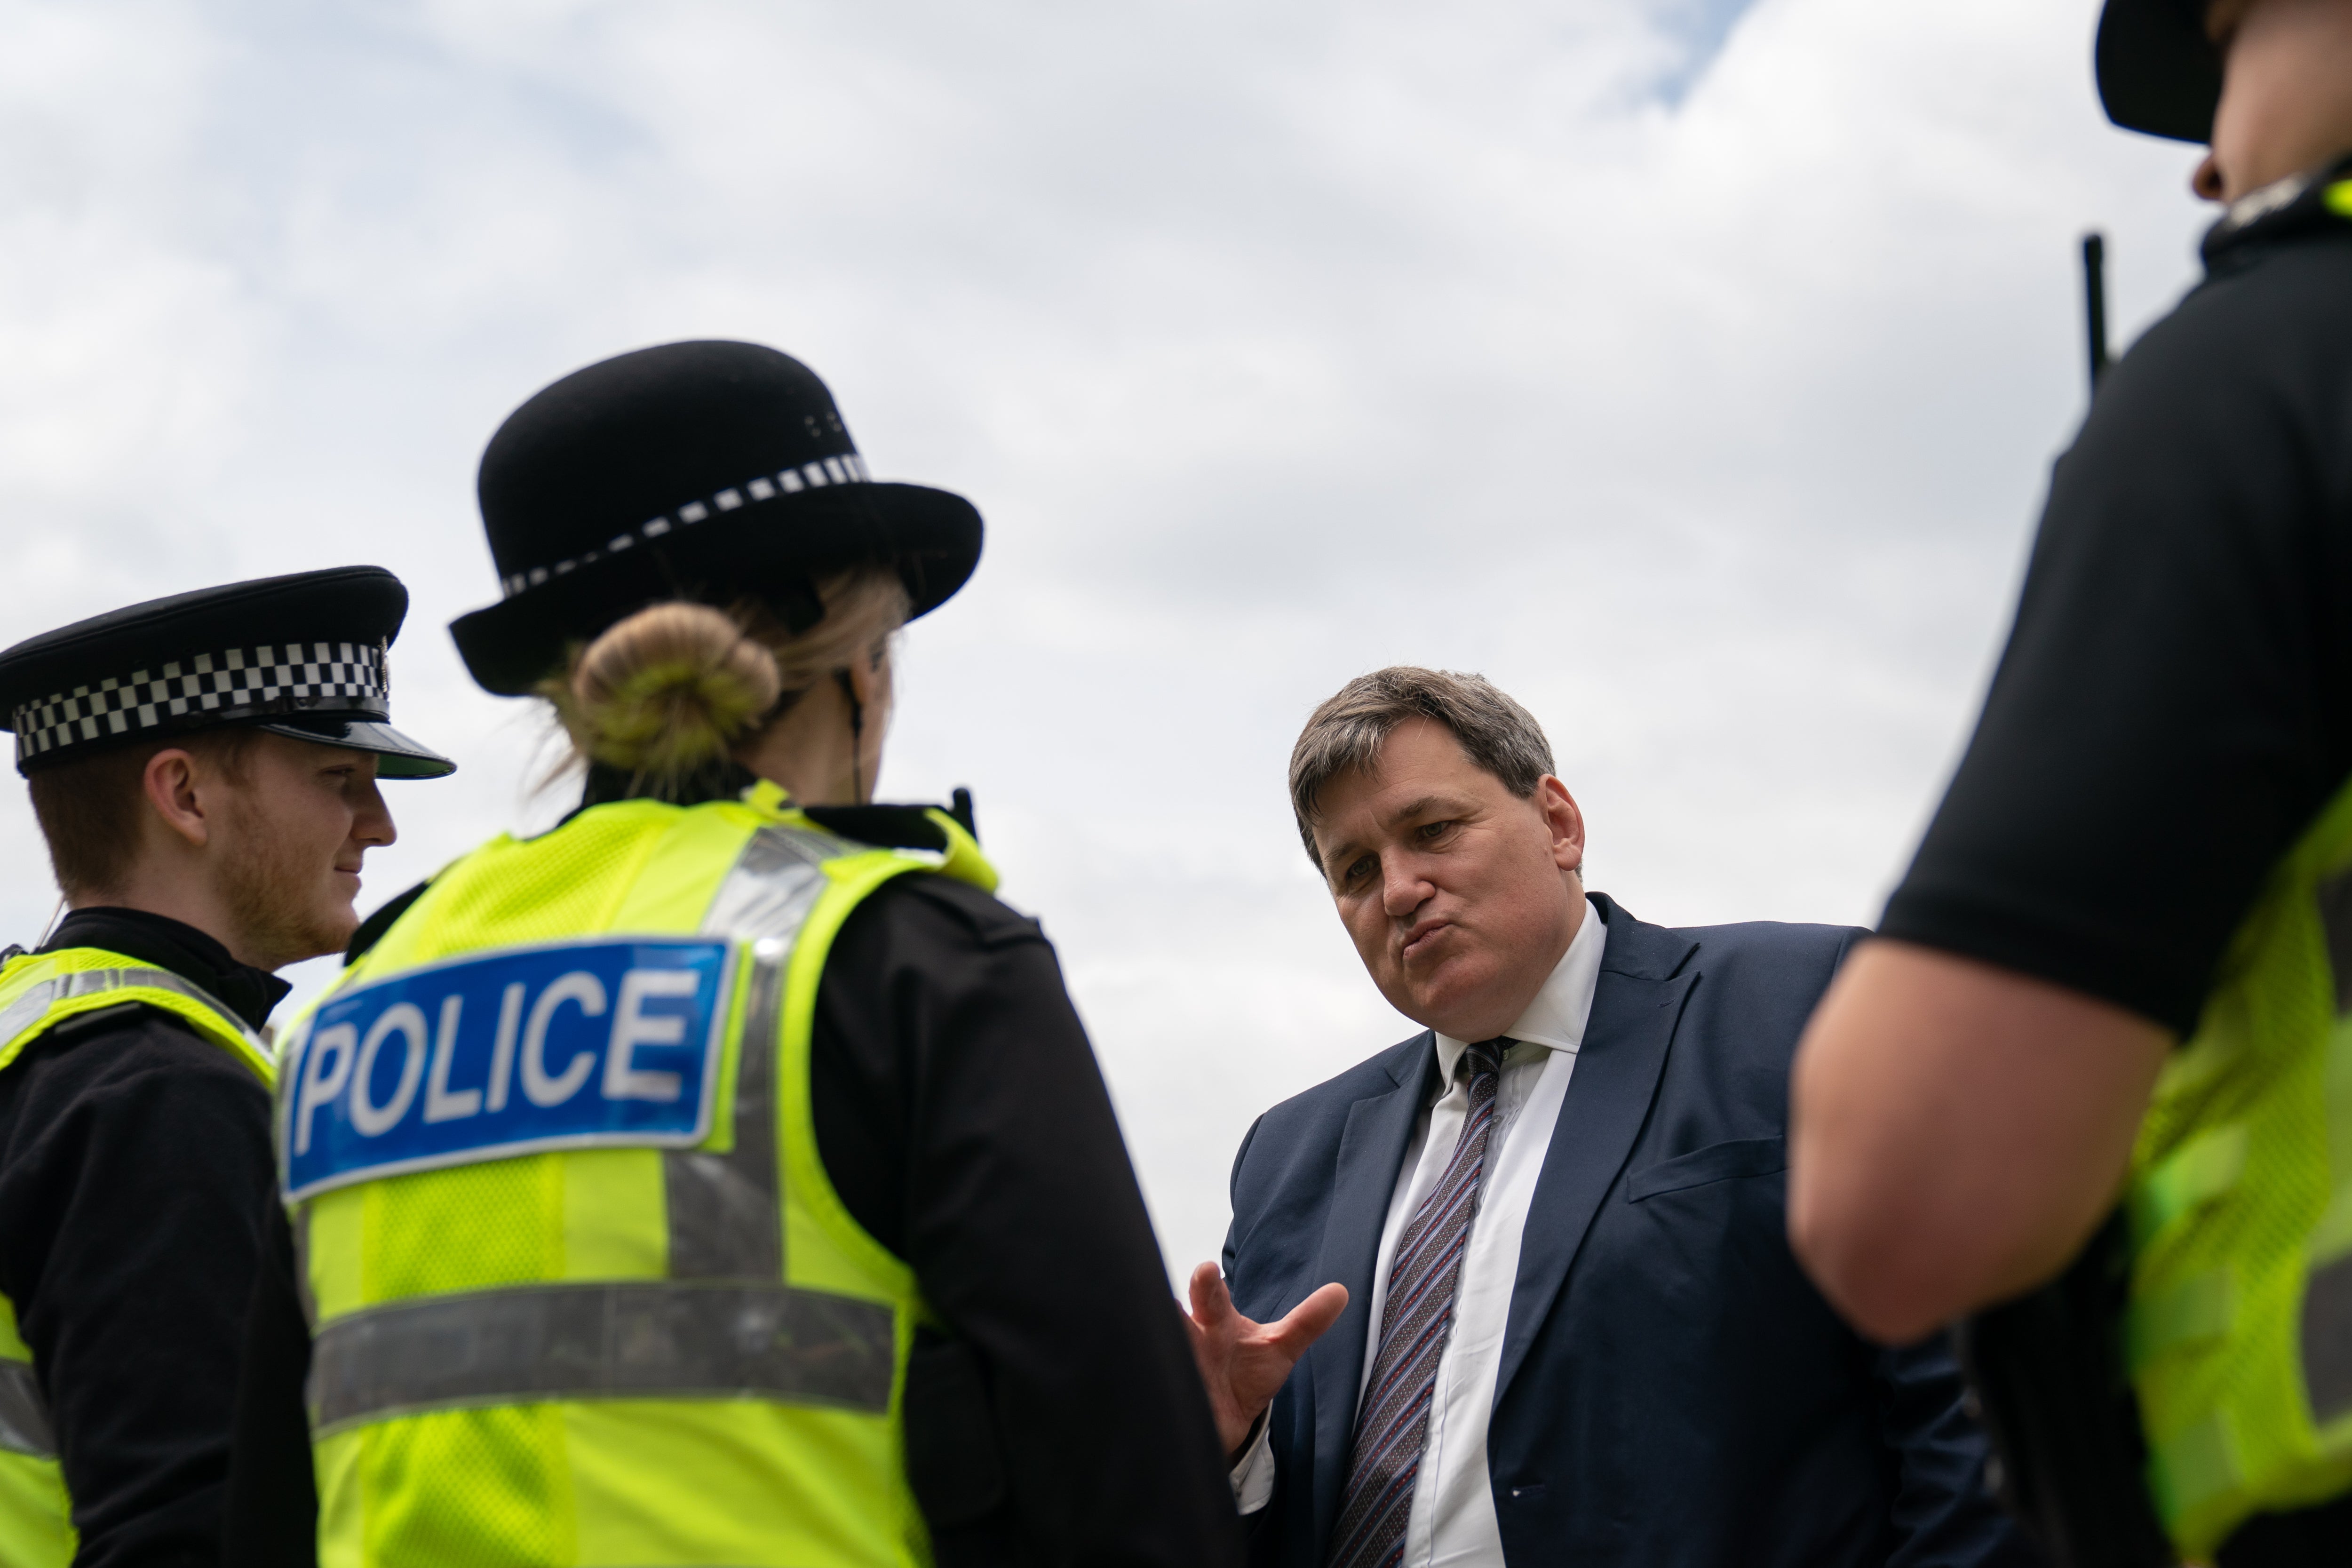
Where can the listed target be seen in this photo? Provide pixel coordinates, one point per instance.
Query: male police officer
(2147, 844)
(204, 769)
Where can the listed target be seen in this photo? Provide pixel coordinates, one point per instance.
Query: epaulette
(107, 1017)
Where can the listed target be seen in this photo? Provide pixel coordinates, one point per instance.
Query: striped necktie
(1393, 1427)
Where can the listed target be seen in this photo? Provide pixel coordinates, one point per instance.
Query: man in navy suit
(1546, 1234)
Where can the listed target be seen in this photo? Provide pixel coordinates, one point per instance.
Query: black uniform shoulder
(112, 1049)
(890, 827)
(130, 1077)
(2178, 636)
(947, 911)
(2278, 312)
(939, 906)
(897, 827)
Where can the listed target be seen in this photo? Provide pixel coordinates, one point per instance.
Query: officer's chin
(334, 921)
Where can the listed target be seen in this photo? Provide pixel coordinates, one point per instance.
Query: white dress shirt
(1453, 1520)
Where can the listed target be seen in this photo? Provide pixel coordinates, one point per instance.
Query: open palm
(1244, 1363)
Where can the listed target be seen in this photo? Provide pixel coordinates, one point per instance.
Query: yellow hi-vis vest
(2239, 1330)
(582, 1292)
(38, 992)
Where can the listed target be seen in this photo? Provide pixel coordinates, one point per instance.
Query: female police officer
(722, 1176)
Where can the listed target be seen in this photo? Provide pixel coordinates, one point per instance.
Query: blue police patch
(593, 1043)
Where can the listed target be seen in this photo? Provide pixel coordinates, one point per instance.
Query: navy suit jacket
(1673, 1392)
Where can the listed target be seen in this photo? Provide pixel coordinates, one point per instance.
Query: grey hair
(1347, 733)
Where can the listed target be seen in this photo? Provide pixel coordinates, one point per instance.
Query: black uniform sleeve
(271, 1518)
(2171, 711)
(962, 1118)
(134, 1171)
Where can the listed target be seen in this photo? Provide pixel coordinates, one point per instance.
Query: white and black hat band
(208, 690)
(843, 469)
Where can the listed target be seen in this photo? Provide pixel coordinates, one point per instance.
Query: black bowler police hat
(302, 656)
(2158, 70)
(710, 471)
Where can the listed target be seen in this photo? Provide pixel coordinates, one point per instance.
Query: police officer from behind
(722, 1176)
(205, 770)
(2121, 964)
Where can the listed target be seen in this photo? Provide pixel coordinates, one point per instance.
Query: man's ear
(170, 783)
(1565, 819)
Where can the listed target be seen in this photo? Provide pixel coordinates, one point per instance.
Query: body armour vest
(2238, 1328)
(38, 992)
(581, 1291)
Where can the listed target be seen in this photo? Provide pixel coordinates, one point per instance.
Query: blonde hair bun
(668, 691)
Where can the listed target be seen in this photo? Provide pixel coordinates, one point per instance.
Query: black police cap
(2158, 70)
(714, 471)
(302, 655)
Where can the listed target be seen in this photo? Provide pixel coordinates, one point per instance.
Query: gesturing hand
(1244, 1363)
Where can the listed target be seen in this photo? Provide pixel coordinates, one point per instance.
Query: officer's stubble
(296, 829)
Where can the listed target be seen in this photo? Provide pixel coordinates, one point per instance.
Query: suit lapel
(1635, 1005)
(1371, 1154)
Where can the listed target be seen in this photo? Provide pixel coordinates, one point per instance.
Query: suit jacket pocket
(1715, 1162)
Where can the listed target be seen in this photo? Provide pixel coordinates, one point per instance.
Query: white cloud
(1276, 344)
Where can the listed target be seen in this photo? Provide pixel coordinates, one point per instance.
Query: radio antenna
(2094, 302)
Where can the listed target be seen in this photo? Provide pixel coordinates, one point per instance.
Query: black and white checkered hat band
(848, 468)
(209, 689)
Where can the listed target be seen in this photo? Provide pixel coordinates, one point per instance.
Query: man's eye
(1359, 871)
(1430, 830)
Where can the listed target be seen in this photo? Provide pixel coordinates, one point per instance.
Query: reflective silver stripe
(24, 1413)
(724, 1222)
(28, 1009)
(635, 1341)
(775, 882)
(724, 1325)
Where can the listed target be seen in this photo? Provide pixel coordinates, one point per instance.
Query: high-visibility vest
(2239, 1327)
(38, 992)
(580, 1289)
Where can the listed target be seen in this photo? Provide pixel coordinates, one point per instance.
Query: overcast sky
(1690, 367)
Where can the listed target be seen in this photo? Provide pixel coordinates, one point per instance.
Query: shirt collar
(1556, 1016)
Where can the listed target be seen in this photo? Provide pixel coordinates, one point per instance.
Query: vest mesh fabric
(613, 1475)
(35, 1513)
(2241, 1201)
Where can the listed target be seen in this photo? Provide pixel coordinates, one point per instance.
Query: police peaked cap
(711, 471)
(2158, 70)
(302, 656)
